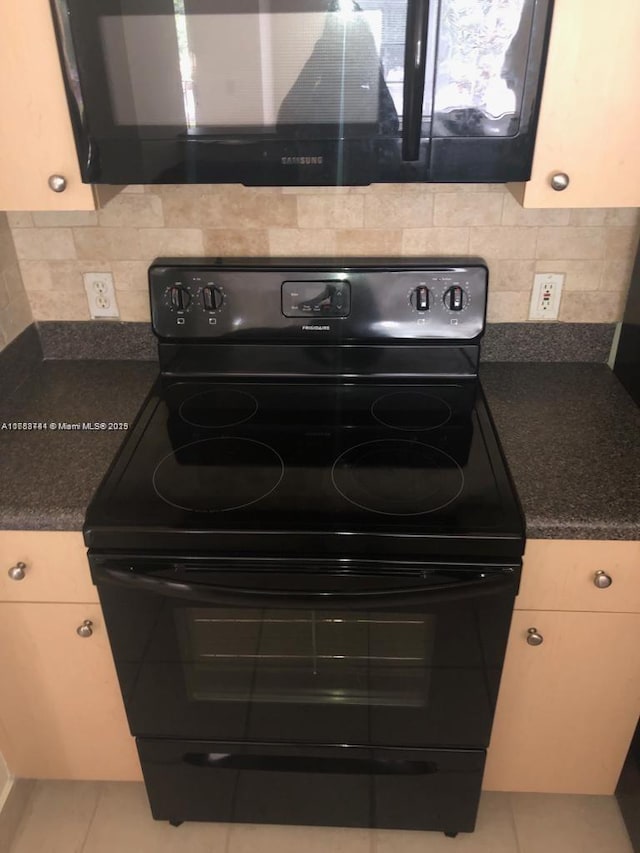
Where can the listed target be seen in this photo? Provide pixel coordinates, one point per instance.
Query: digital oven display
(316, 298)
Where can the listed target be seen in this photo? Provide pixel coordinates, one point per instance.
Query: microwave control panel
(194, 300)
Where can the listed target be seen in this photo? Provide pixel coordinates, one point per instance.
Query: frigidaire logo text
(302, 161)
(317, 328)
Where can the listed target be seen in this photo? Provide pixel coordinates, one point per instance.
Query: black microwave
(303, 92)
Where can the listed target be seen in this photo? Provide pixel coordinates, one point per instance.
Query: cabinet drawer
(55, 567)
(561, 575)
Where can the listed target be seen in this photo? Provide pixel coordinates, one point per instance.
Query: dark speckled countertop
(48, 477)
(571, 435)
(570, 432)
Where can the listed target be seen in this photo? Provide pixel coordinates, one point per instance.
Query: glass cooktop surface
(340, 457)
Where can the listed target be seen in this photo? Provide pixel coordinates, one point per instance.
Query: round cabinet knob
(58, 183)
(86, 629)
(17, 572)
(534, 638)
(455, 298)
(602, 580)
(560, 181)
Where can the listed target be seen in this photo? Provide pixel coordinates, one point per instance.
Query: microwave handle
(487, 584)
(415, 55)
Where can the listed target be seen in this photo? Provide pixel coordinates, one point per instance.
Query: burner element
(218, 474)
(220, 407)
(411, 410)
(397, 477)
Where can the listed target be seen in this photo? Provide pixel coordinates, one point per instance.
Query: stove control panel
(317, 301)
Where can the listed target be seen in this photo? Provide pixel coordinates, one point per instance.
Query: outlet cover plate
(101, 295)
(545, 296)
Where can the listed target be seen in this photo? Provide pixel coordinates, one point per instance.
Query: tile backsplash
(595, 248)
(15, 311)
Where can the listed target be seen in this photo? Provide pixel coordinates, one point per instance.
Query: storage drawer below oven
(424, 789)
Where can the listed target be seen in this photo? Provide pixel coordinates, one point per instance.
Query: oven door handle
(487, 584)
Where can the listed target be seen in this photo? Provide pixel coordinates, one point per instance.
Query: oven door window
(411, 675)
(328, 658)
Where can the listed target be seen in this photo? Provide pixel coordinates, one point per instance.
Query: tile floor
(77, 817)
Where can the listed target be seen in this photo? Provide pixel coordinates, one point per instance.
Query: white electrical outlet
(101, 295)
(545, 297)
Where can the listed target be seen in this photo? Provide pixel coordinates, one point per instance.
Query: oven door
(287, 92)
(308, 654)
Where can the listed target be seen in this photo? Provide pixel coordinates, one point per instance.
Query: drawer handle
(18, 572)
(602, 580)
(86, 629)
(534, 638)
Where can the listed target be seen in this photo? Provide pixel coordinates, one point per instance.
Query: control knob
(420, 298)
(212, 298)
(179, 297)
(455, 298)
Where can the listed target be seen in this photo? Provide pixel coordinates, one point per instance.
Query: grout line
(514, 823)
(93, 815)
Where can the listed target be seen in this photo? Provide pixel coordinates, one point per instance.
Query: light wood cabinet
(61, 713)
(590, 110)
(36, 139)
(567, 708)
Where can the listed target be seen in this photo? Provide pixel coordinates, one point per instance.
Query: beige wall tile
(199, 209)
(58, 305)
(15, 311)
(52, 275)
(600, 307)
(236, 242)
(47, 244)
(64, 218)
(324, 191)
(435, 241)
(621, 242)
(156, 242)
(514, 214)
(16, 317)
(251, 209)
(291, 243)
(571, 243)
(130, 275)
(367, 242)
(134, 305)
(19, 219)
(132, 211)
(508, 242)
(134, 188)
(579, 275)
(4, 292)
(105, 244)
(458, 209)
(588, 216)
(316, 211)
(511, 275)
(402, 210)
(623, 216)
(506, 307)
(616, 275)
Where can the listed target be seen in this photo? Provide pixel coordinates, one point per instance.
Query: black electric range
(308, 548)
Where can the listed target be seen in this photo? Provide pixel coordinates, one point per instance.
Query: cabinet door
(61, 713)
(36, 140)
(590, 110)
(567, 708)
(52, 566)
